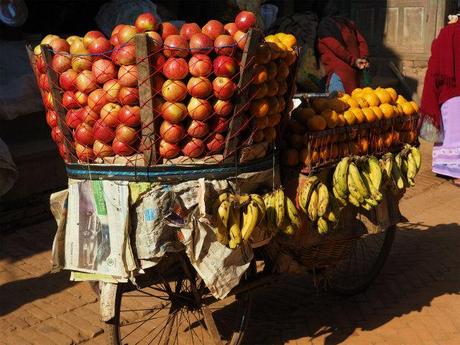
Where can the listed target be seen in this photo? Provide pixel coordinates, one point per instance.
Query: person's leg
(335, 84)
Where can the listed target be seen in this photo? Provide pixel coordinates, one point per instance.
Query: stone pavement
(413, 301)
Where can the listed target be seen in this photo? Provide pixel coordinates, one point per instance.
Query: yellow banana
(339, 178)
(353, 200)
(341, 200)
(270, 212)
(387, 165)
(375, 172)
(397, 176)
(242, 199)
(417, 157)
(292, 213)
(334, 211)
(250, 220)
(366, 206)
(225, 196)
(289, 229)
(313, 206)
(260, 204)
(323, 199)
(323, 227)
(224, 212)
(222, 232)
(279, 207)
(374, 193)
(234, 227)
(357, 182)
(411, 169)
(305, 193)
(353, 192)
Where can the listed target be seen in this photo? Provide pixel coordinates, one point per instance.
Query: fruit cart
(177, 208)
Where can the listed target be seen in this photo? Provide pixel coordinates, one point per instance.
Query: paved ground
(414, 300)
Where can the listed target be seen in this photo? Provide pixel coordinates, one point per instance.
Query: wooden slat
(53, 78)
(246, 74)
(144, 45)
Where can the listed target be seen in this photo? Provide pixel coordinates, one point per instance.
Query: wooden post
(53, 79)
(246, 74)
(144, 45)
(288, 97)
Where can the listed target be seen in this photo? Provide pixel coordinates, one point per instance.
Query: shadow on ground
(423, 264)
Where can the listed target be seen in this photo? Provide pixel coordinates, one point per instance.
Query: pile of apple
(194, 82)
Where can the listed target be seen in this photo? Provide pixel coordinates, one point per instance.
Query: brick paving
(413, 301)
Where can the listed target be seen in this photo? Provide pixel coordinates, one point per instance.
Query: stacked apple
(269, 88)
(201, 67)
(97, 80)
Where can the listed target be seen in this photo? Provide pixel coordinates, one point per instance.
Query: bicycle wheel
(356, 271)
(178, 310)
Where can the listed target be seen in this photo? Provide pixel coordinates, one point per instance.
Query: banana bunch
(358, 180)
(281, 213)
(400, 170)
(237, 217)
(319, 205)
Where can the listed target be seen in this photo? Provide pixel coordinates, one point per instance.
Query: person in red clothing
(342, 49)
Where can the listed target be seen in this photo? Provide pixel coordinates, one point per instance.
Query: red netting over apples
(194, 97)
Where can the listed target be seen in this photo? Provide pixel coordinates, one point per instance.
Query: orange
(290, 58)
(270, 134)
(352, 103)
(383, 95)
(359, 115)
(408, 109)
(258, 136)
(363, 144)
(282, 87)
(401, 99)
(350, 118)
(331, 118)
(273, 88)
(309, 157)
(388, 139)
(324, 154)
(259, 107)
(320, 104)
(369, 114)
(296, 127)
(341, 120)
(272, 70)
(393, 94)
(288, 39)
(258, 91)
(274, 50)
(281, 104)
(399, 109)
(273, 105)
(368, 89)
(344, 97)
(371, 99)
(303, 114)
(338, 105)
(361, 101)
(378, 112)
(356, 91)
(260, 74)
(316, 123)
(415, 106)
(263, 54)
(334, 151)
(261, 122)
(290, 157)
(274, 120)
(387, 110)
(344, 149)
(283, 70)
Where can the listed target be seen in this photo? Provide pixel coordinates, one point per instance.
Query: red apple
(200, 44)
(109, 114)
(168, 29)
(219, 124)
(59, 45)
(223, 108)
(199, 109)
(199, 87)
(48, 100)
(40, 64)
(241, 38)
(175, 68)
(84, 134)
(112, 88)
(215, 143)
(157, 41)
(102, 150)
(88, 115)
(124, 55)
(158, 102)
(63, 151)
(189, 29)
(100, 46)
(69, 100)
(173, 112)
(157, 83)
(81, 63)
(175, 46)
(104, 70)
(198, 129)
(61, 63)
(225, 66)
(43, 82)
(96, 100)
(86, 82)
(84, 153)
(51, 118)
(114, 40)
(57, 135)
(129, 96)
(200, 65)
(174, 90)
(127, 75)
(114, 35)
(223, 88)
(125, 134)
(126, 34)
(146, 22)
(231, 28)
(168, 150)
(82, 98)
(90, 36)
(157, 61)
(193, 148)
(213, 28)
(121, 148)
(73, 118)
(171, 133)
(103, 132)
(225, 45)
(68, 79)
(130, 116)
(245, 20)
(78, 48)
